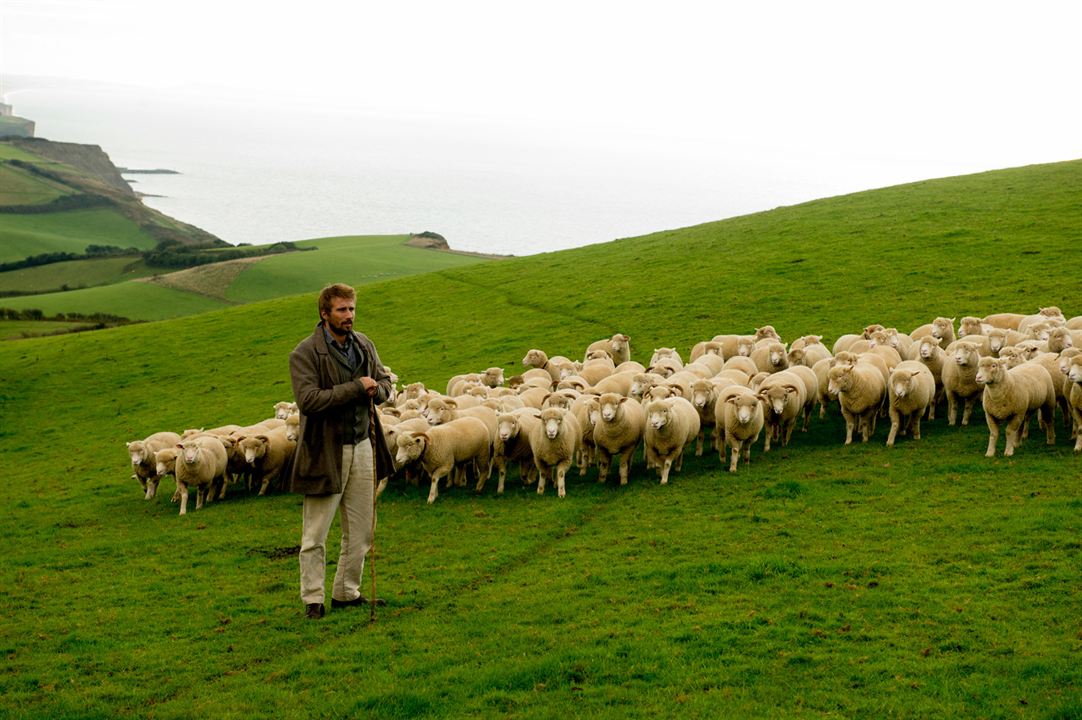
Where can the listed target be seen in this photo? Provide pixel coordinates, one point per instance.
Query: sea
(264, 170)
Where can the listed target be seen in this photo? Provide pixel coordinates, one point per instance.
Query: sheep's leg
(700, 439)
(666, 464)
(183, 490)
(769, 434)
(968, 409)
(150, 487)
(625, 465)
(542, 477)
(200, 493)
(433, 491)
(1048, 414)
(604, 460)
(1015, 433)
(789, 432)
(561, 474)
(914, 425)
(895, 421)
(993, 435)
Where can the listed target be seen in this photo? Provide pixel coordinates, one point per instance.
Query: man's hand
(369, 384)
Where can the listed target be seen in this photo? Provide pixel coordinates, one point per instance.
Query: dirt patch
(279, 553)
(208, 280)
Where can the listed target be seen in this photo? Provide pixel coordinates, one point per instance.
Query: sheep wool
(1010, 395)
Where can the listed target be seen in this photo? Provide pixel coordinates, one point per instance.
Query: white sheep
(513, 445)
(165, 461)
(735, 345)
(618, 382)
(440, 448)
(201, 462)
(740, 419)
(266, 454)
(671, 425)
(667, 352)
(704, 398)
(960, 380)
(770, 357)
(618, 347)
(706, 347)
(617, 433)
(1005, 321)
(554, 442)
(1074, 377)
(860, 387)
(911, 390)
(283, 409)
(444, 410)
(539, 359)
(1010, 395)
(144, 468)
(783, 395)
(1045, 314)
(594, 371)
(808, 354)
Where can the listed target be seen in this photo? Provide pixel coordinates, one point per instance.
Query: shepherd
(337, 380)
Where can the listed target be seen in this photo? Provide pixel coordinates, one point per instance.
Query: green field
(73, 274)
(363, 261)
(17, 329)
(358, 260)
(925, 581)
(19, 187)
(71, 231)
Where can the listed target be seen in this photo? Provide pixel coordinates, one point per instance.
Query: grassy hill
(820, 581)
(359, 259)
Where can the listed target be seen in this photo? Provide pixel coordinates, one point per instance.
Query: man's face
(340, 317)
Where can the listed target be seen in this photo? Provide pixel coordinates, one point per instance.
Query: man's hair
(329, 294)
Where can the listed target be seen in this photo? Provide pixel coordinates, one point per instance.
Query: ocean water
(260, 172)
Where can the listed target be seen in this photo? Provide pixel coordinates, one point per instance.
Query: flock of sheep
(733, 389)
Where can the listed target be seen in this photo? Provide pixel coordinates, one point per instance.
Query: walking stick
(375, 483)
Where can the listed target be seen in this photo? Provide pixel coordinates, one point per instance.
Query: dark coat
(328, 405)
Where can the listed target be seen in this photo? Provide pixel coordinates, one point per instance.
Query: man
(337, 378)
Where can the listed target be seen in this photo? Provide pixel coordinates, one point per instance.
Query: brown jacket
(328, 410)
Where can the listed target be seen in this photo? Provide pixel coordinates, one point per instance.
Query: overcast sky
(998, 82)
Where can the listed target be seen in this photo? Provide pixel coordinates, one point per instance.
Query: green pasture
(364, 260)
(70, 231)
(820, 581)
(19, 187)
(132, 299)
(74, 274)
(17, 329)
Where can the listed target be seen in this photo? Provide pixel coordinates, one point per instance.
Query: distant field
(19, 187)
(357, 260)
(361, 259)
(16, 329)
(74, 274)
(69, 231)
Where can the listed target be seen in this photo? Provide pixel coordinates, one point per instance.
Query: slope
(821, 581)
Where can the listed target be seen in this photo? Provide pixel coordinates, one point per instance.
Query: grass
(18, 329)
(358, 260)
(18, 187)
(820, 581)
(73, 274)
(71, 231)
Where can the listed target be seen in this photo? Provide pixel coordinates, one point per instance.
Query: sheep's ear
(731, 399)
(263, 438)
(452, 403)
(179, 446)
(623, 400)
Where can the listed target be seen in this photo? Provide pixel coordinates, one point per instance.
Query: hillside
(79, 177)
(820, 581)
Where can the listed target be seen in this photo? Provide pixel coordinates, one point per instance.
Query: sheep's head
(507, 426)
(137, 449)
(282, 410)
(702, 393)
(552, 419)
(1074, 370)
(776, 397)
(409, 447)
(991, 370)
(560, 399)
(942, 327)
(535, 358)
(871, 330)
(997, 338)
(965, 353)
(1066, 358)
(840, 379)
(779, 359)
(610, 406)
(928, 348)
(901, 382)
(253, 448)
(745, 346)
(658, 414)
(1051, 311)
(971, 326)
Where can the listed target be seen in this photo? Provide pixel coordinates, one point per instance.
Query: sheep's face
(965, 353)
(970, 326)
(871, 330)
(701, 395)
(610, 408)
(493, 377)
(901, 383)
(796, 356)
(942, 327)
(1028, 350)
(438, 412)
(410, 446)
(282, 410)
(1074, 369)
(996, 340)
(779, 359)
(553, 420)
(928, 348)
(776, 397)
(1061, 336)
(189, 452)
(293, 428)
(558, 399)
(253, 448)
(991, 370)
(507, 427)
(138, 452)
(840, 379)
(659, 415)
(1052, 311)
(744, 347)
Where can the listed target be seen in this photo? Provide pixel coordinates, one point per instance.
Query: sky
(981, 84)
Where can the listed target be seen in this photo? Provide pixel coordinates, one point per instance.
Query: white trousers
(357, 523)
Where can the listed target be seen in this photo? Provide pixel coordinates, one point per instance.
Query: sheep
(740, 419)
(811, 386)
(165, 462)
(586, 409)
(1045, 314)
(554, 442)
(704, 398)
(911, 390)
(1074, 377)
(860, 388)
(576, 383)
(1005, 321)
(770, 357)
(933, 357)
(706, 347)
(808, 354)
(618, 347)
(440, 448)
(671, 425)
(266, 454)
(445, 410)
(201, 461)
(538, 359)
(706, 365)
(1075, 323)
(1010, 395)
(618, 382)
(617, 433)
(766, 332)
(1051, 363)
(283, 410)
(666, 366)
(641, 384)
(594, 371)
(783, 395)
(744, 364)
(735, 345)
(513, 445)
(534, 396)
(293, 427)
(823, 394)
(144, 468)
(667, 352)
(1062, 338)
(959, 378)
(942, 329)
(843, 343)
